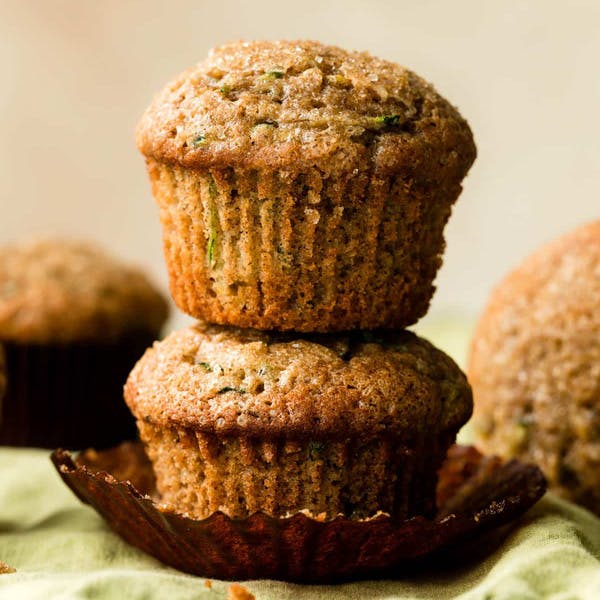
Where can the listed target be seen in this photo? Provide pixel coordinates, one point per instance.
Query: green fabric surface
(62, 549)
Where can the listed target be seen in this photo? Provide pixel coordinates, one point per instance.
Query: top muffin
(303, 187)
(62, 291)
(300, 103)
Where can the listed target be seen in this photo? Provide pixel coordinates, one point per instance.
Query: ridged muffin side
(310, 195)
(240, 421)
(290, 251)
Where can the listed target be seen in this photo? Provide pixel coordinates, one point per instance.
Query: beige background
(76, 76)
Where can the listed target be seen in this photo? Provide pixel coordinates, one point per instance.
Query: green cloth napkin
(62, 549)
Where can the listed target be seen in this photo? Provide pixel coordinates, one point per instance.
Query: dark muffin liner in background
(475, 494)
(69, 395)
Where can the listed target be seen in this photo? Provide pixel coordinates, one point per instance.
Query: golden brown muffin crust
(299, 103)
(225, 380)
(535, 365)
(62, 291)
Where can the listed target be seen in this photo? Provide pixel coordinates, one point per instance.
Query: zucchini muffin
(535, 365)
(303, 187)
(73, 322)
(243, 421)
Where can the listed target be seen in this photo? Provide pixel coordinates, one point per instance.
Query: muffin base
(68, 395)
(201, 473)
(301, 251)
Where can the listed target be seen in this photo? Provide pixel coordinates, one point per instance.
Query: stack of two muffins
(303, 192)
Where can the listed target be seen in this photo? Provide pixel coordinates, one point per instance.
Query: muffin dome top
(62, 291)
(291, 104)
(535, 364)
(219, 379)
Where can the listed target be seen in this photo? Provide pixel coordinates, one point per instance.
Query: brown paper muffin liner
(300, 251)
(69, 395)
(200, 473)
(475, 494)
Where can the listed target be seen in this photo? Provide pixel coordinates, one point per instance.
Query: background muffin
(242, 421)
(303, 187)
(73, 321)
(535, 365)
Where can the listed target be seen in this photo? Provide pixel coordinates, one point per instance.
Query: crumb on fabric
(239, 592)
(5, 569)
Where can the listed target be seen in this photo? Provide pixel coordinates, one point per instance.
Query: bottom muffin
(244, 421)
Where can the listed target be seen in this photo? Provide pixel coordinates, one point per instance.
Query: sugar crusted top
(551, 299)
(62, 291)
(300, 103)
(226, 380)
(537, 343)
